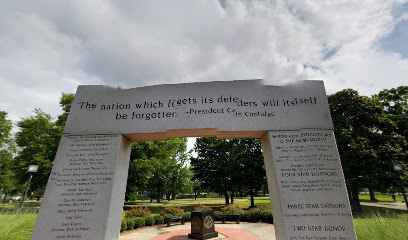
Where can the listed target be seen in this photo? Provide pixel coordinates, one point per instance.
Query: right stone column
(306, 184)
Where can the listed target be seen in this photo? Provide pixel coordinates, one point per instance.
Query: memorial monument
(86, 188)
(202, 225)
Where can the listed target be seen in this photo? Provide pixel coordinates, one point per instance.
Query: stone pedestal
(308, 193)
(202, 225)
(84, 195)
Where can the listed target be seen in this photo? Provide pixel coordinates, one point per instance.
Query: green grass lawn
(377, 223)
(381, 228)
(370, 210)
(378, 226)
(380, 198)
(16, 204)
(16, 225)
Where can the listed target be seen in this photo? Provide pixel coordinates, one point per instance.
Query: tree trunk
(226, 197)
(195, 195)
(232, 197)
(355, 204)
(372, 195)
(350, 196)
(5, 196)
(159, 191)
(251, 192)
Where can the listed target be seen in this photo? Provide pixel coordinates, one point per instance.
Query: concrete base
(203, 236)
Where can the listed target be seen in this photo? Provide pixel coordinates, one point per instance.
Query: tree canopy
(65, 103)
(248, 171)
(8, 184)
(229, 165)
(5, 129)
(395, 104)
(367, 141)
(158, 167)
(38, 139)
(211, 166)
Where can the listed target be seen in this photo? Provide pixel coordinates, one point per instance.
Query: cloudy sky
(48, 47)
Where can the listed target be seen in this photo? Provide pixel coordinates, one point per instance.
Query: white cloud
(48, 47)
(365, 74)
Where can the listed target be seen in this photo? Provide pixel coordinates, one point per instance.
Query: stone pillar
(202, 225)
(85, 192)
(306, 184)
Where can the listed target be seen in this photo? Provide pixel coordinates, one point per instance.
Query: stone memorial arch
(85, 192)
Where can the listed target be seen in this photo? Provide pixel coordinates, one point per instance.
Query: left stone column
(85, 192)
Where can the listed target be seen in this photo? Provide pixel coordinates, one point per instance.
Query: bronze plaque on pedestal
(202, 225)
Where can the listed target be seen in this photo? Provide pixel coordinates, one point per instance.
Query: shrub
(167, 216)
(138, 212)
(131, 197)
(174, 210)
(263, 206)
(123, 225)
(158, 219)
(139, 222)
(217, 215)
(187, 216)
(257, 215)
(200, 207)
(267, 216)
(149, 221)
(130, 223)
(232, 209)
(248, 216)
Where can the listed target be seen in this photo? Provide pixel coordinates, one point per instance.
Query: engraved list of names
(311, 185)
(78, 181)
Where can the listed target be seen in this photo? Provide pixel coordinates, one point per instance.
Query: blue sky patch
(397, 41)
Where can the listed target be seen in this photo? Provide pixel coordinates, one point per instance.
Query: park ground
(383, 218)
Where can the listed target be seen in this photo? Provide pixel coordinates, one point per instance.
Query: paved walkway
(232, 231)
(393, 205)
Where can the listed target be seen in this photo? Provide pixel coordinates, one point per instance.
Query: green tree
(211, 166)
(5, 129)
(248, 171)
(179, 181)
(153, 165)
(196, 187)
(65, 102)
(367, 142)
(229, 166)
(395, 104)
(38, 139)
(8, 184)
